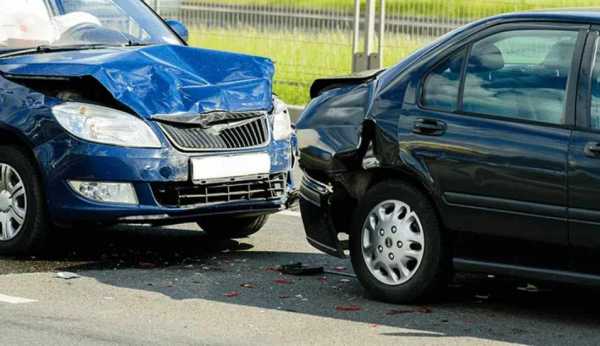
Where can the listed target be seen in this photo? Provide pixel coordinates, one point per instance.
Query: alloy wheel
(13, 202)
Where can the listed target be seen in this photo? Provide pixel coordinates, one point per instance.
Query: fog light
(123, 193)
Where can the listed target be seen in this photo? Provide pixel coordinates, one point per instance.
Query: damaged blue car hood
(163, 79)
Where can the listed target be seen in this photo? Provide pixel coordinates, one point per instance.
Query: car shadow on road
(123, 247)
(183, 264)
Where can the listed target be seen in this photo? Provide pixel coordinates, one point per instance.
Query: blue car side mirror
(179, 28)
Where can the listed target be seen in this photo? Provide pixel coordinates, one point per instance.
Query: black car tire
(233, 227)
(431, 275)
(34, 234)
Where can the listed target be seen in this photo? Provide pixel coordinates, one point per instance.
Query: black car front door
(584, 165)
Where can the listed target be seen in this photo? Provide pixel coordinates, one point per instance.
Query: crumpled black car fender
(349, 139)
(349, 130)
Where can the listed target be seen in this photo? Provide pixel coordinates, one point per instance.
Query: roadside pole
(370, 58)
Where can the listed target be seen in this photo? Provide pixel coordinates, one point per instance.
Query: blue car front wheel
(23, 221)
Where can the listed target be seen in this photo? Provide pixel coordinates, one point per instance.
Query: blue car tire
(28, 234)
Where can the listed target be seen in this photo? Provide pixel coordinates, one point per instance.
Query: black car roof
(575, 15)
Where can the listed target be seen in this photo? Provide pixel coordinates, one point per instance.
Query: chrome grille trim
(253, 134)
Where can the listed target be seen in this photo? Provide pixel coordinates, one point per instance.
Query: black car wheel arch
(431, 274)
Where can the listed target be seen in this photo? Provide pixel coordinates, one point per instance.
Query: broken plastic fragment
(529, 288)
(300, 269)
(348, 308)
(393, 312)
(282, 282)
(423, 310)
(67, 276)
(339, 273)
(146, 265)
(271, 269)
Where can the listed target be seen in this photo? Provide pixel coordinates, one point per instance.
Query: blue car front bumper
(153, 174)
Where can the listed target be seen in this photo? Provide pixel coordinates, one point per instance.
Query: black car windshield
(55, 23)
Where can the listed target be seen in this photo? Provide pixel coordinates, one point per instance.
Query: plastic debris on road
(232, 294)
(66, 276)
(300, 269)
(393, 312)
(282, 282)
(348, 308)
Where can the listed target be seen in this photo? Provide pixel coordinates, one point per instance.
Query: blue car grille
(262, 188)
(243, 134)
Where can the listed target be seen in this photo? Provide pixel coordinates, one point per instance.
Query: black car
(480, 153)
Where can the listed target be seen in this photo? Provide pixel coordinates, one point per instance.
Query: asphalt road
(177, 286)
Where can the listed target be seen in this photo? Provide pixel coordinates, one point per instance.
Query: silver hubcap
(13, 203)
(392, 242)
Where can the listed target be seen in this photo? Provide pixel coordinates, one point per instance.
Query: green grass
(466, 9)
(299, 57)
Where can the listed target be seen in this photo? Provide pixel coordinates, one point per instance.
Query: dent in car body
(175, 81)
(161, 79)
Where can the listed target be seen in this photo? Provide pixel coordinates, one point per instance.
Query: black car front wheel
(396, 245)
(23, 221)
(233, 227)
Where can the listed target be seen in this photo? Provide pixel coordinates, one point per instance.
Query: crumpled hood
(163, 79)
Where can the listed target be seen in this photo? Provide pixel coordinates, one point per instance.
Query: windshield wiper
(131, 43)
(48, 49)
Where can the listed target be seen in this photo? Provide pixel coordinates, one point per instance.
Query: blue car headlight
(105, 125)
(282, 124)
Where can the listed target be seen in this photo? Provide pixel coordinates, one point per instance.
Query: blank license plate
(220, 167)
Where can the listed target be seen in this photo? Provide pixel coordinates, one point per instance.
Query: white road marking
(290, 213)
(15, 300)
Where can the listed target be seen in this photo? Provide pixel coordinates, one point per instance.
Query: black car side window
(441, 86)
(520, 74)
(595, 111)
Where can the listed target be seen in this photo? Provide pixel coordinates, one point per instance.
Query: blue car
(108, 117)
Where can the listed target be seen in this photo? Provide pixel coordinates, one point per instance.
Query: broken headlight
(282, 124)
(105, 125)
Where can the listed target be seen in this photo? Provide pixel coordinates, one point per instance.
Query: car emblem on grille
(217, 129)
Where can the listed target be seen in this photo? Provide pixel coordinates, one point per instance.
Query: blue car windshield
(56, 23)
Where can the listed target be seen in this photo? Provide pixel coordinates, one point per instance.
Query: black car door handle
(429, 127)
(592, 149)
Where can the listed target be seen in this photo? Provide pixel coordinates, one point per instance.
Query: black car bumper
(316, 215)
